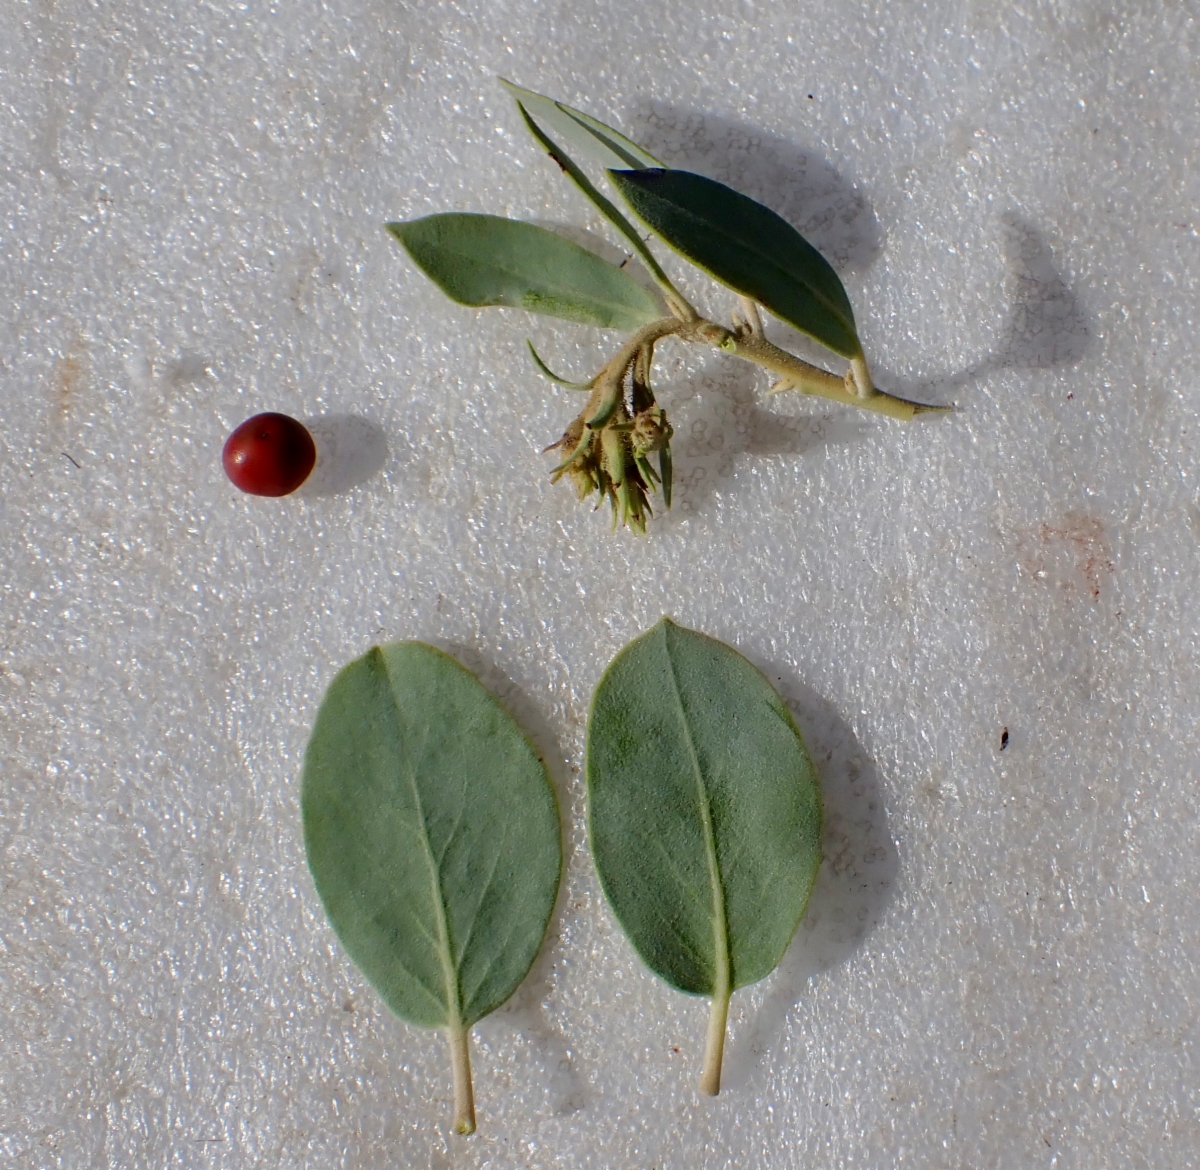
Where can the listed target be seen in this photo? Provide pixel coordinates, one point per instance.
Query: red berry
(269, 455)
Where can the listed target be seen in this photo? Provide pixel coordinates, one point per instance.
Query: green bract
(607, 447)
(486, 260)
(433, 838)
(704, 815)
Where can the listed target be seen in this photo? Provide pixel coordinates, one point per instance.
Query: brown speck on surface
(1004, 739)
(1071, 555)
(66, 381)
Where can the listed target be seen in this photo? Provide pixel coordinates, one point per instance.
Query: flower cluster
(613, 460)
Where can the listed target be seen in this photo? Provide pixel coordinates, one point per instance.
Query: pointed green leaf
(665, 469)
(432, 834)
(549, 373)
(488, 260)
(605, 206)
(704, 813)
(747, 247)
(587, 135)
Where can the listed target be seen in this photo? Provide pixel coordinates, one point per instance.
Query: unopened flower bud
(651, 431)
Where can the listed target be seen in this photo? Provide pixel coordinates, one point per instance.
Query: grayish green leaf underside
(747, 247)
(590, 137)
(488, 260)
(432, 834)
(702, 803)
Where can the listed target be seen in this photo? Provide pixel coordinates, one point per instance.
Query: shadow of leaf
(854, 884)
(723, 419)
(1045, 326)
(798, 184)
(524, 1012)
(188, 369)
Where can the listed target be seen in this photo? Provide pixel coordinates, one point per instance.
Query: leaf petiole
(464, 1090)
(714, 1048)
(860, 374)
(747, 312)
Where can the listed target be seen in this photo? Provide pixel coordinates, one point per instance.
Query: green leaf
(605, 206)
(488, 260)
(549, 373)
(704, 815)
(665, 470)
(590, 137)
(433, 838)
(747, 247)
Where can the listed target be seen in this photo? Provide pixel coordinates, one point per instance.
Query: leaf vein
(452, 990)
(462, 952)
(720, 925)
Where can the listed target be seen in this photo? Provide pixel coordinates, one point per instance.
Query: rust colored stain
(66, 380)
(1072, 555)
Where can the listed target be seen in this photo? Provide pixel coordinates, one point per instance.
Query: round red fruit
(269, 455)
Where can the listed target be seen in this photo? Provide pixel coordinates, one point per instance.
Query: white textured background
(1000, 965)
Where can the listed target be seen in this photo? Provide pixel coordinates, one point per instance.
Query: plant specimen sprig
(487, 260)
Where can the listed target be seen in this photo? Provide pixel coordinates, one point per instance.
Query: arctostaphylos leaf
(601, 203)
(433, 838)
(704, 815)
(488, 260)
(590, 137)
(747, 247)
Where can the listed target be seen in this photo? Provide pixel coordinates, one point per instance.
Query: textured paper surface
(1000, 964)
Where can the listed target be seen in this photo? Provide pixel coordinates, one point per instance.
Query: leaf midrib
(768, 259)
(449, 974)
(720, 924)
(602, 204)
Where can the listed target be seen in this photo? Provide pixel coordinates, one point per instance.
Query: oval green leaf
(746, 246)
(433, 837)
(589, 136)
(704, 814)
(482, 260)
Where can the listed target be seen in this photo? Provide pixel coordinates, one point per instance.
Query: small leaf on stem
(665, 471)
(606, 207)
(549, 373)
